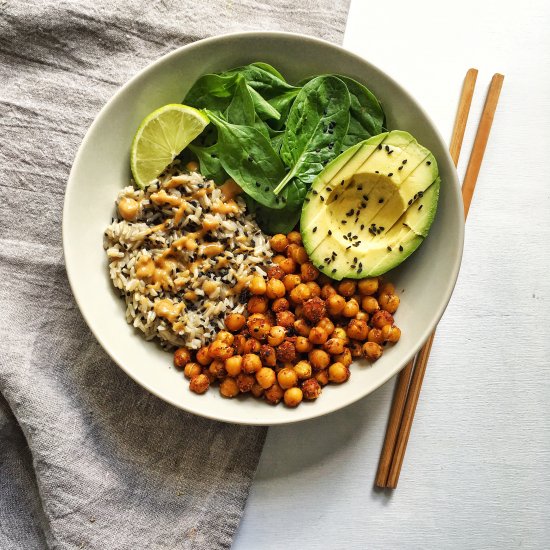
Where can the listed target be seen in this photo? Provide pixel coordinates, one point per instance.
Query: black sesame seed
(410, 202)
(257, 184)
(322, 198)
(266, 188)
(329, 233)
(381, 228)
(400, 248)
(329, 189)
(336, 196)
(390, 174)
(376, 172)
(315, 192)
(421, 193)
(420, 207)
(387, 148)
(362, 227)
(342, 182)
(344, 222)
(389, 248)
(314, 230)
(359, 188)
(380, 201)
(379, 146)
(249, 158)
(348, 247)
(428, 163)
(366, 197)
(306, 200)
(400, 168)
(334, 270)
(363, 205)
(405, 161)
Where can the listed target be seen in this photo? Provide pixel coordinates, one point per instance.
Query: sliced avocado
(371, 207)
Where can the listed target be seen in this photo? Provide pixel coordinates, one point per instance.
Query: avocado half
(371, 207)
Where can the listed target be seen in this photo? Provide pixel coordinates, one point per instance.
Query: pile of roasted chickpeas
(302, 332)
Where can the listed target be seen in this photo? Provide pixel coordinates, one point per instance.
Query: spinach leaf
(317, 124)
(277, 141)
(282, 103)
(366, 114)
(248, 157)
(212, 91)
(241, 109)
(267, 84)
(269, 68)
(209, 160)
(264, 109)
(277, 221)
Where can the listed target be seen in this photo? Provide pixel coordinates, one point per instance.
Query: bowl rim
(428, 329)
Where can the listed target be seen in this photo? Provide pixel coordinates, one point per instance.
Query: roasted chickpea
(199, 384)
(344, 358)
(394, 334)
(347, 288)
(285, 319)
(319, 359)
(327, 290)
(278, 242)
(181, 358)
(239, 343)
(266, 377)
(372, 350)
(314, 289)
(301, 327)
(383, 300)
(294, 237)
(298, 311)
(245, 382)
(192, 166)
(335, 304)
(191, 370)
(322, 377)
(235, 322)
(291, 249)
(357, 330)
(217, 369)
(370, 304)
(288, 265)
(356, 349)
(303, 345)
(251, 363)
(363, 316)
(387, 288)
(338, 373)
(291, 281)
(391, 304)
(334, 346)
(277, 259)
(267, 355)
(275, 289)
(303, 370)
(367, 287)
(252, 346)
(314, 310)
(308, 272)
(257, 304)
(257, 390)
(224, 336)
(229, 387)
(293, 397)
(276, 335)
(382, 318)
(257, 285)
(299, 255)
(318, 336)
(287, 378)
(220, 350)
(259, 328)
(274, 394)
(311, 389)
(340, 332)
(327, 324)
(203, 356)
(275, 272)
(351, 309)
(375, 335)
(300, 294)
(211, 377)
(280, 304)
(286, 352)
(234, 365)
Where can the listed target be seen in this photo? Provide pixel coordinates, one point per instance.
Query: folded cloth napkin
(88, 459)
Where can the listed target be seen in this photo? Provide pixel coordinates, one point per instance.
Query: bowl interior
(101, 169)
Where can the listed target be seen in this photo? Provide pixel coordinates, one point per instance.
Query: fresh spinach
(212, 91)
(316, 126)
(366, 114)
(248, 157)
(267, 84)
(209, 160)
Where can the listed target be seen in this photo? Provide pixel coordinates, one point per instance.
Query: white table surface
(477, 468)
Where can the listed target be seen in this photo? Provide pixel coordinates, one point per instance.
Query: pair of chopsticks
(410, 379)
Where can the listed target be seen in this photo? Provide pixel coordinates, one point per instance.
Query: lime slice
(162, 136)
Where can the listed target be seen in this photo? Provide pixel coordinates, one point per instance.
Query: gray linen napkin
(87, 458)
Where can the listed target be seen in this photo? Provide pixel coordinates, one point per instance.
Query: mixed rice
(181, 252)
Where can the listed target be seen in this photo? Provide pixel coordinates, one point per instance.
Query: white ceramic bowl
(101, 169)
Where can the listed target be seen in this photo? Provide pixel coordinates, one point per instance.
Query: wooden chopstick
(400, 395)
(470, 179)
